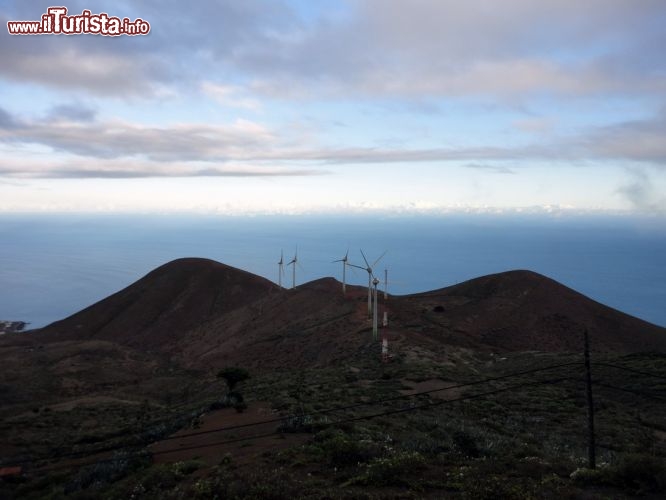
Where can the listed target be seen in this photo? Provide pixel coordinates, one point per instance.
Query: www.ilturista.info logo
(57, 22)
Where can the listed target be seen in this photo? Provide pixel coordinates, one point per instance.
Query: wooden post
(592, 461)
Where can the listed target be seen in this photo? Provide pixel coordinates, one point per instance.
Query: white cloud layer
(263, 90)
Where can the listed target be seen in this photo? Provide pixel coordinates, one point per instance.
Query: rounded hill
(167, 302)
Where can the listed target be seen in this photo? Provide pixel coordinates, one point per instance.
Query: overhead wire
(81, 453)
(632, 391)
(337, 422)
(632, 370)
(364, 404)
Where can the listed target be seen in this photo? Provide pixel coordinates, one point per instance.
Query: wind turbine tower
(370, 276)
(280, 268)
(375, 282)
(293, 263)
(344, 261)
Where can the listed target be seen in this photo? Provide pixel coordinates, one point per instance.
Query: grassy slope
(523, 443)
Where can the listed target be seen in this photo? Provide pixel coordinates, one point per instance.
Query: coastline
(12, 326)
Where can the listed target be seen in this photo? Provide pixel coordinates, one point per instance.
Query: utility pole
(592, 461)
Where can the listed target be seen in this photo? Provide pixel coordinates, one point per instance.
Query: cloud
(128, 170)
(640, 140)
(172, 55)
(77, 63)
(641, 192)
(537, 125)
(120, 139)
(7, 121)
(437, 48)
(229, 95)
(72, 112)
(490, 168)
(248, 142)
(377, 48)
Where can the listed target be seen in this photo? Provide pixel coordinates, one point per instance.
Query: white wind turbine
(345, 263)
(386, 284)
(293, 263)
(375, 282)
(280, 268)
(370, 276)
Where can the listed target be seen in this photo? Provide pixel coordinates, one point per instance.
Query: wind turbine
(370, 276)
(386, 284)
(280, 268)
(344, 261)
(375, 282)
(293, 263)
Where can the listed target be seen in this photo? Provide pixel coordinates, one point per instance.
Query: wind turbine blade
(366, 260)
(380, 258)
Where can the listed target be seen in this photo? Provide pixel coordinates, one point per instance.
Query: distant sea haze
(54, 265)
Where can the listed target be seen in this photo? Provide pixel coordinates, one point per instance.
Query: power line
(639, 372)
(84, 453)
(381, 401)
(623, 389)
(381, 414)
(373, 403)
(338, 422)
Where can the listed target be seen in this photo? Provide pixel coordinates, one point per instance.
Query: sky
(338, 106)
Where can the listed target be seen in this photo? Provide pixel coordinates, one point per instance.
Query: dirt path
(213, 445)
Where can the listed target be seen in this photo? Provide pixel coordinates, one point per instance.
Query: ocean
(54, 265)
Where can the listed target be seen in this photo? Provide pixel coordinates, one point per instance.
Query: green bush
(339, 449)
(187, 467)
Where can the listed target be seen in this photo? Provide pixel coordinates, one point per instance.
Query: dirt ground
(219, 433)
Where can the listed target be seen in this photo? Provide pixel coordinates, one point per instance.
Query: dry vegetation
(89, 417)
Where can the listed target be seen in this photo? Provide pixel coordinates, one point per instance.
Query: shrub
(233, 376)
(465, 444)
(106, 472)
(187, 467)
(343, 450)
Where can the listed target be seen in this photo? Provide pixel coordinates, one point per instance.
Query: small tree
(232, 377)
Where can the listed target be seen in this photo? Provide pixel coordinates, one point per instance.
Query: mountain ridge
(206, 312)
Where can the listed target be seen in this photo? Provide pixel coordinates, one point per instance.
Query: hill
(206, 313)
(523, 310)
(158, 309)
